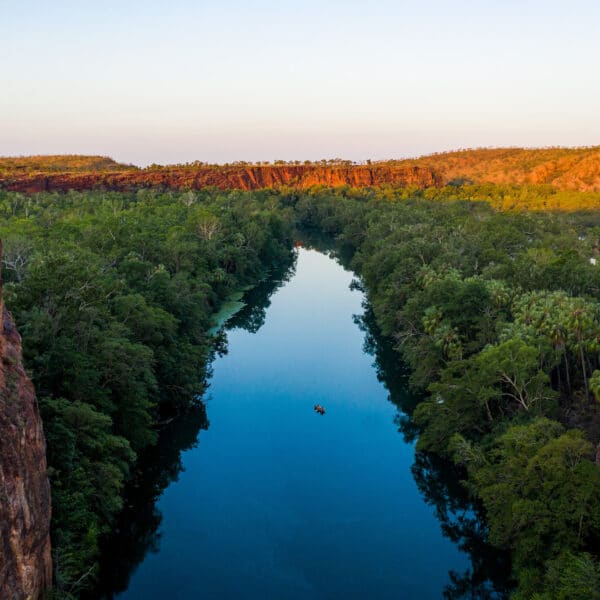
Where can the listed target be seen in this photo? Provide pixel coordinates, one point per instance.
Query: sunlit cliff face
(563, 168)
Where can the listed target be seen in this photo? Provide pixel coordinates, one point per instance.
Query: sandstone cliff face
(25, 560)
(243, 178)
(562, 168)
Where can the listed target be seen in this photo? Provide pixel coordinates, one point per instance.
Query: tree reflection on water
(137, 531)
(440, 483)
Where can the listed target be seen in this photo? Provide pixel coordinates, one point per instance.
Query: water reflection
(137, 531)
(462, 522)
(440, 483)
(258, 299)
(390, 370)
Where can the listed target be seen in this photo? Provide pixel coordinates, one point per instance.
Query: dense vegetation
(114, 296)
(507, 197)
(496, 313)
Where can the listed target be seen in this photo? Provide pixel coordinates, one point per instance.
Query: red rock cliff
(226, 177)
(25, 560)
(562, 168)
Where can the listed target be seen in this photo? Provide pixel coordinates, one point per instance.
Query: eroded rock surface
(233, 177)
(25, 560)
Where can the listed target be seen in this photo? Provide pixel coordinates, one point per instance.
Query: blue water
(277, 501)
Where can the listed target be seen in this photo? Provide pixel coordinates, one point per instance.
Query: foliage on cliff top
(59, 163)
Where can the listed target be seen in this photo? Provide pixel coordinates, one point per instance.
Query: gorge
(272, 499)
(491, 317)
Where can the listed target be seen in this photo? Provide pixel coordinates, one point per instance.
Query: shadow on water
(137, 530)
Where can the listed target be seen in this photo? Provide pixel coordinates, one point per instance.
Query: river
(265, 498)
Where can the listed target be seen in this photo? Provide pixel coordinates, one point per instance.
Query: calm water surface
(276, 501)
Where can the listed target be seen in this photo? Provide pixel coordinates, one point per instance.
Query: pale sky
(175, 81)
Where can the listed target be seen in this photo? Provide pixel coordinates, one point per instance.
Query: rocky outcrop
(25, 560)
(225, 177)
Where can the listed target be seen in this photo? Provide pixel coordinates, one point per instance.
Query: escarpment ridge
(225, 177)
(562, 168)
(25, 559)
